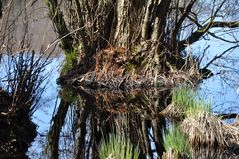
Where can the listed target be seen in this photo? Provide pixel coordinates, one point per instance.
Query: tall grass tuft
(176, 142)
(189, 101)
(117, 147)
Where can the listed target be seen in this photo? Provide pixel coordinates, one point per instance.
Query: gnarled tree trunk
(127, 39)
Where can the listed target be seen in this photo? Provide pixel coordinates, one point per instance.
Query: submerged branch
(228, 116)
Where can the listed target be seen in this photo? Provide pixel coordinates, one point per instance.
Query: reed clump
(23, 78)
(176, 144)
(197, 122)
(185, 102)
(117, 147)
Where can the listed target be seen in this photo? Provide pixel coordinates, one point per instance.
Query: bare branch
(59, 24)
(146, 19)
(162, 12)
(185, 14)
(200, 32)
(173, 39)
(219, 56)
(210, 33)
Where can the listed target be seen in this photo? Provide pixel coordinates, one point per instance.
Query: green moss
(130, 66)
(70, 61)
(68, 95)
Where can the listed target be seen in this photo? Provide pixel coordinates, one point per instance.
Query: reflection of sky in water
(48, 104)
(224, 97)
(152, 143)
(49, 98)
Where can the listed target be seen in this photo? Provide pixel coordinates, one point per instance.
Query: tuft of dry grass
(170, 155)
(172, 111)
(204, 129)
(231, 134)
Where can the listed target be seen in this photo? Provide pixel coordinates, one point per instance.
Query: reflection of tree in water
(134, 114)
(92, 115)
(58, 122)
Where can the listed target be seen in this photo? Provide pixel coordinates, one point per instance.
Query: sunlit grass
(176, 142)
(189, 101)
(199, 105)
(117, 147)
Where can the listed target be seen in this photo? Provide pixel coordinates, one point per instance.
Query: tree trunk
(59, 24)
(123, 40)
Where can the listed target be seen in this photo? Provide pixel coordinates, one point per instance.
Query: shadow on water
(22, 85)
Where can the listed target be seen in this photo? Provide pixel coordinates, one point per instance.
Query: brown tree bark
(148, 35)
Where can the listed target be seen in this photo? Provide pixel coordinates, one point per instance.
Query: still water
(71, 123)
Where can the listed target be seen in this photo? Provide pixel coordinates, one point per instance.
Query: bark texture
(145, 38)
